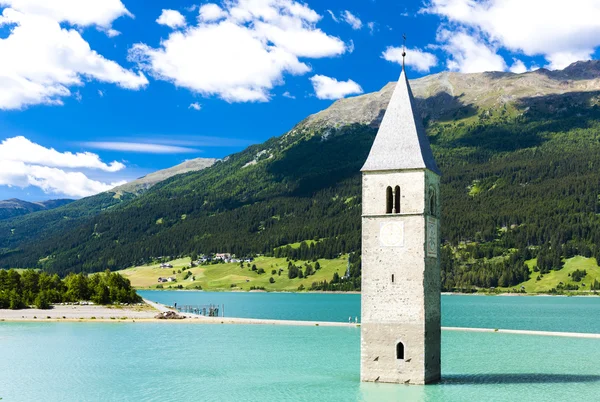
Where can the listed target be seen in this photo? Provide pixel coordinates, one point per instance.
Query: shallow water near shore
(160, 361)
(540, 313)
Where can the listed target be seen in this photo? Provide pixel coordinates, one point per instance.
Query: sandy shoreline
(81, 312)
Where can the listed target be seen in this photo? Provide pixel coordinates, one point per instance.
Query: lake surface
(564, 314)
(163, 361)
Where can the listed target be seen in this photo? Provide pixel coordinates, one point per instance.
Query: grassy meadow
(232, 277)
(554, 278)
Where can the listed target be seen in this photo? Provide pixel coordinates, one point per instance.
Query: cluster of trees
(40, 289)
(349, 282)
(578, 275)
(503, 272)
(295, 271)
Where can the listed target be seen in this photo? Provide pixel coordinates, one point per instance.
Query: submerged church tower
(400, 330)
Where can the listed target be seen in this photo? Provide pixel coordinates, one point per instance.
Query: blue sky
(96, 92)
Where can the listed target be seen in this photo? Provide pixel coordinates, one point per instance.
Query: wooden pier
(208, 310)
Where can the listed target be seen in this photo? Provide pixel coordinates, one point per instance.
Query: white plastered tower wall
(400, 251)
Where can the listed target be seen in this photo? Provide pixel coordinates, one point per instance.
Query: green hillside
(554, 279)
(233, 276)
(520, 179)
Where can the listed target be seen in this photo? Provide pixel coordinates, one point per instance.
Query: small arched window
(432, 207)
(397, 199)
(400, 351)
(389, 201)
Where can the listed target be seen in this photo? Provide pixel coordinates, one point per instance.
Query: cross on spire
(403, 49)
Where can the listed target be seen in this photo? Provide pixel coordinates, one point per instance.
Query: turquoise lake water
(565, 314)
(162, 361)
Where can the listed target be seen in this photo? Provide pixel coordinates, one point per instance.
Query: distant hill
(15, 207)
(142, 184)
(519, 155)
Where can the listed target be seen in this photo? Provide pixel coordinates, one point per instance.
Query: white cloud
(242, 57)
(20, 149)
(518, 67)
(416, 58)
(195, 106)
(41, 60)
(562, 32)
(352, 20)
(77, 12)
(24, 163)
(333, 17)
(51, 180)
(171, 18)
(350, 46)
(111, 33)
(211, 12)
(288, 95)
(371, 26)
(469, 54)
(330, 88)
(140, 147)
(560, 60)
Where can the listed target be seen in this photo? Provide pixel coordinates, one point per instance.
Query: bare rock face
(142, 184)
(442, 95)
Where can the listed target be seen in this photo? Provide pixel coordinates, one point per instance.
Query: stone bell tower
(400, 331)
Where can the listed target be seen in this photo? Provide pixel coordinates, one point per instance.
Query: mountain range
(15, 207)
(518, 154)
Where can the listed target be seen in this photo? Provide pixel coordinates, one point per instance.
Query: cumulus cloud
(330, 88)
(140, 147)
(562, 33)
(42, 59)
(241, 51)
(469, 54)
(195, 106)
(24, 163)
(211, 12)
(171, 18)
(415, 58)
(76, 12)
(518, 67)
(352, 20)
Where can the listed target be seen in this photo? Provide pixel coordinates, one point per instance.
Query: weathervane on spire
(403, 50)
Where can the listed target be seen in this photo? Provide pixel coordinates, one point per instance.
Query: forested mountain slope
(519, 154)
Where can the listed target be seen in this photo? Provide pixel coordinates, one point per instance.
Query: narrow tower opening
(389, 201)
(432, 203)
(400, 351)
(397, 200)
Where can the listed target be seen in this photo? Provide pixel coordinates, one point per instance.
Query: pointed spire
(401, 142)
(403, 50)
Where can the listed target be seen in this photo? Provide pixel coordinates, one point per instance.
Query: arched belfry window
(397, 200)
(432, 206)
(400, 351)
(389, 201)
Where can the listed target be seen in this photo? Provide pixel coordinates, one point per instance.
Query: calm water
(566, 314)
(119, 361)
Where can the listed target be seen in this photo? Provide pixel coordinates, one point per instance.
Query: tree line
(41, 289)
